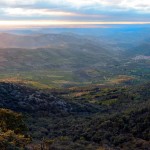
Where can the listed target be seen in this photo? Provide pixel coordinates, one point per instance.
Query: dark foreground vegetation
(91, 118)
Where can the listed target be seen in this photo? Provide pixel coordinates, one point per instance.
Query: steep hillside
(100, 117)
(27, 100)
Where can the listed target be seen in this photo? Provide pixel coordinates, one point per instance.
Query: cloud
(47, 14)
(122, 5)
(139, 5)
(17, 2)
(76, 10)
(31, 12)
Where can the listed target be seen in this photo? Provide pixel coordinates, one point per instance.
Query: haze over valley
(74, 75)
(65, 59)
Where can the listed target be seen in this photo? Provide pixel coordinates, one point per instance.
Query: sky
(73, 12)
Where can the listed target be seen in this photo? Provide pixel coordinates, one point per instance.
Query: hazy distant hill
(33, 41)
(69, 59)
(51, 51)
(142, 49)
(41, 40)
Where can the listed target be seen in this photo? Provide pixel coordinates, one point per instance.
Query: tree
(12, 130)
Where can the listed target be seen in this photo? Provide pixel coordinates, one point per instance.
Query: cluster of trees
(128, 130)
(12, 130)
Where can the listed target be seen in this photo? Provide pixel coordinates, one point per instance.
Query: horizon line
(48, 23)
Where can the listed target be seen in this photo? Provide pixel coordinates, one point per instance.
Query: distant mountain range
(51, 51)
(34, 41)
(72, 58)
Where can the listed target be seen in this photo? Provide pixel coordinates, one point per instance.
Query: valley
(65, 60)
(74, 91)
(74, 75)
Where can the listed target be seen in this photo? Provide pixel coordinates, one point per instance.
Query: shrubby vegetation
(92, 118)
(12, 131)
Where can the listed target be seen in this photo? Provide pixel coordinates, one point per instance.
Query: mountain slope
(27, 100)
(83, 118)
(62, 51)
(32, 41)
(60, 64)
(42, 40)
(57, 60)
